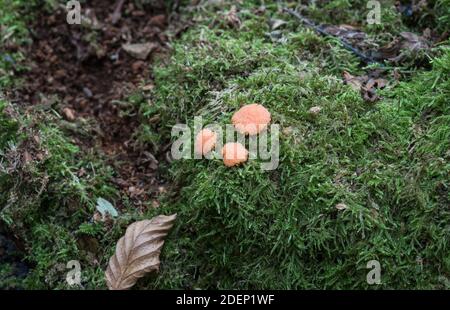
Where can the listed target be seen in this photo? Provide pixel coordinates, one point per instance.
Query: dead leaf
(158, 21)
(355, 82)
(366, 85)
(413, 42)
(345, 32)
(369, 94)
(341, 206)
(369, 90)
(137, 252)
(232, 18)
(138, 66)
(139, 50)
(408, 42)
(376, 83)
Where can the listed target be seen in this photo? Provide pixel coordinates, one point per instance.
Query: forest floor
(364, 143)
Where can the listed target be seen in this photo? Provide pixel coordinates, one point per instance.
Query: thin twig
(117, 15)
(346, 44)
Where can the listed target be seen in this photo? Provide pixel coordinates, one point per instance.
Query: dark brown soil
(86, 67)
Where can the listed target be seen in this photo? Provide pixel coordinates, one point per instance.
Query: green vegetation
(387, 161)
(44, 201)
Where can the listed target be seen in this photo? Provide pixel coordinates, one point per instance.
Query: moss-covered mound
(359, 181)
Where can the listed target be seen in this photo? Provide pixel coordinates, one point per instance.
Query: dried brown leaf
(376, 83)
(232, 18)
(365, 84)
(347, 32)
(137, 252)
(355, 82)
(407, 42)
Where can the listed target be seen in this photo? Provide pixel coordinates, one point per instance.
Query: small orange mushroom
(251, 119)
(205, 141)
(234, 154)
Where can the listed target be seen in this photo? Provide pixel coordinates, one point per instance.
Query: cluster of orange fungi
(250, 120)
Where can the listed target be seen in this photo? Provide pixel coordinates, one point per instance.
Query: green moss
(246, 228)
(243, 227)
(44, 200)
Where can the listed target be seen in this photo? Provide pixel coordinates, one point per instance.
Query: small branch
(117, 15)
(346, 44)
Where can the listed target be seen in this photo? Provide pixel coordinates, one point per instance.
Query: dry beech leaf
(137, 253)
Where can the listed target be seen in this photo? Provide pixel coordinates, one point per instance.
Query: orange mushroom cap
(233, 154)
(205, 141)
(251, 119)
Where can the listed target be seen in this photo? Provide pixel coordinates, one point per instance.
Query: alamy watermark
(374, 15)
(73, 8)
(374, 275)
(73, 277)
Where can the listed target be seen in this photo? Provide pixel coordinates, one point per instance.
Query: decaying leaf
(369, 90)
(346, 32)
(355, 82)
(408, 42)
(137, 252)
(232, 18)
(365, 84)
